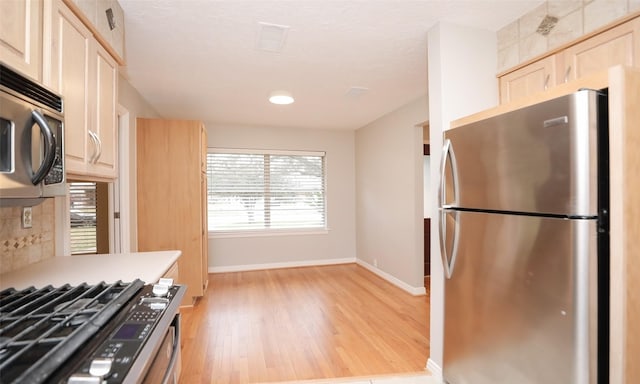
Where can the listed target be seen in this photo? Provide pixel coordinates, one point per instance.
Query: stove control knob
(100, 367)
(166, 281)
(160, 290)
(84, 379)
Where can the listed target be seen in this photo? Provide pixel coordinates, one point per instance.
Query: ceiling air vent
(355, 92)
(271, 37)
(546, 25)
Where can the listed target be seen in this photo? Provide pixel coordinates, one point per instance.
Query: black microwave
(31, 140)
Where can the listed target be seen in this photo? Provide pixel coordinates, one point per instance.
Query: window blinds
(83, 200)
(263, 190)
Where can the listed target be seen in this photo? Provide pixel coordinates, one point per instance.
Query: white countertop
(92, 269)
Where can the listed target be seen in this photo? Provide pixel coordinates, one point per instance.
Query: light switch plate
(27, 218)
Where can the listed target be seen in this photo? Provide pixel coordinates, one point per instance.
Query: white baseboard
(291, 264)
(434, 368)
(415, 291)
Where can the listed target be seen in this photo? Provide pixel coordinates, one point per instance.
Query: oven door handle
(175, 352)
(49, 148)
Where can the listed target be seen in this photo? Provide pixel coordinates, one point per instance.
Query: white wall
(461, 73)
(389, 195)
(338, 244)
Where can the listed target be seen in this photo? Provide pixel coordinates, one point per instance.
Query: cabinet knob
(546, 82)
(566, 74)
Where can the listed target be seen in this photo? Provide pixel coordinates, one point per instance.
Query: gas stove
(103, 333)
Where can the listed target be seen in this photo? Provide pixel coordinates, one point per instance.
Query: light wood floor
(300, 324)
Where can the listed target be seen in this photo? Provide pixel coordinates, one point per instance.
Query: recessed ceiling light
(281, 97)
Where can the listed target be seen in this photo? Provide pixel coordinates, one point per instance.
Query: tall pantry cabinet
(172, 196)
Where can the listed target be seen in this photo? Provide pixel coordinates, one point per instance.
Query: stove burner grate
(41, 328)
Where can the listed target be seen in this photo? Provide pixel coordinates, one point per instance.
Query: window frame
(87, 206)
(261, 232)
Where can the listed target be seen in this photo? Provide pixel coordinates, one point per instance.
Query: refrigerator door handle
(448, 262)
(448, 154)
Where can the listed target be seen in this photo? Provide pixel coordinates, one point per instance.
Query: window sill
(268, 233)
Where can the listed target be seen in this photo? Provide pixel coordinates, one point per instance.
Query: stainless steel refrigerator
(524, 240)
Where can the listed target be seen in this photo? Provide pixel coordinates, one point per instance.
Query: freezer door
(540, 159)
(521, 302)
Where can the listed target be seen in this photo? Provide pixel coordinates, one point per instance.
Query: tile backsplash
(19, 246)
(521, 40)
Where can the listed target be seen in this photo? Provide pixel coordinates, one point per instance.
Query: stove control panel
(113, 359)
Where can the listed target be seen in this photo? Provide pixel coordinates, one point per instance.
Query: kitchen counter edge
(92, 269)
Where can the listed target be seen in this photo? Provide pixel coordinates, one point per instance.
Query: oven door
(164, 368)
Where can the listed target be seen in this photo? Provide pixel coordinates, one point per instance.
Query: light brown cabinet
(106, 19)
(87, 77)
(617, 45)
(624, 136)
(21, 36)
(173, 272)
(533, 78)
(105, 160)
(172, 198)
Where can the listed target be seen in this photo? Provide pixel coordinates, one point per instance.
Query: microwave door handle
(49, 148)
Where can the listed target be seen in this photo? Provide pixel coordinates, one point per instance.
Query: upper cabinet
(21, 36)
(106, 19)
(535, 77)
(618, 44)
(104, 163)
(86, 75)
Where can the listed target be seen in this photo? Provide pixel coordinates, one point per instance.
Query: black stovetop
(41, 328)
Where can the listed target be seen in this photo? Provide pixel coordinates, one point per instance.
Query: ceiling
(346, 63)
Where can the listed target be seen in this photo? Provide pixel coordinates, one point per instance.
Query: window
(89, 213)
(83, 198)
(265, 190)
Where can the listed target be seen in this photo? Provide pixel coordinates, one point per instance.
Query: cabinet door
(170, 196)
(104, 163)
(173, 273)
(71, 53)
(21, 36)
(617, 46)
(533, 78)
